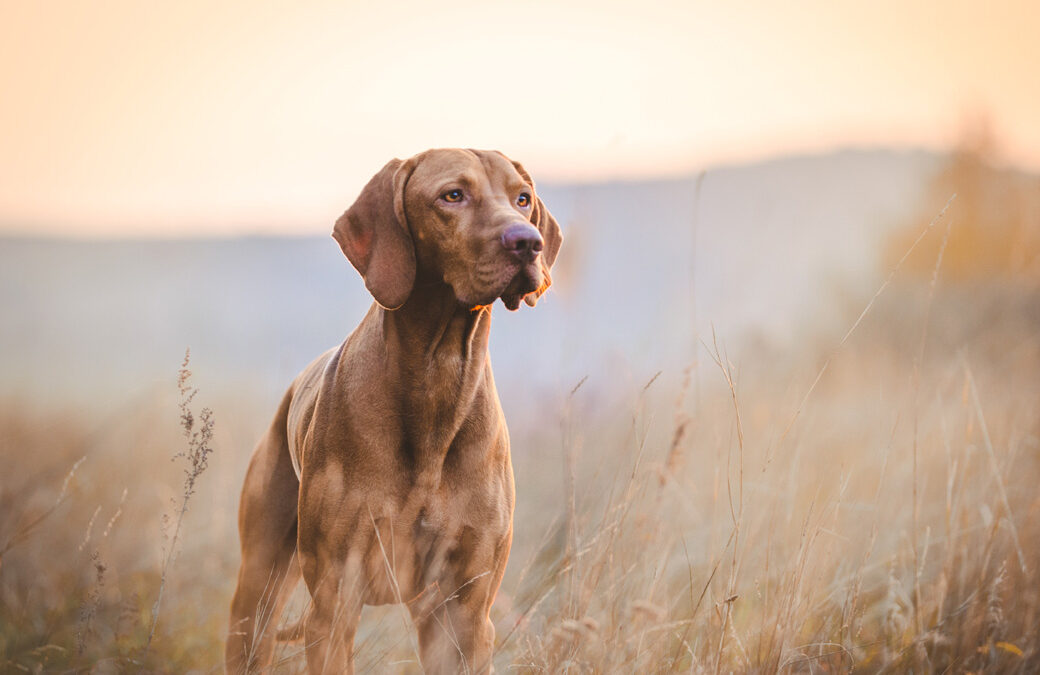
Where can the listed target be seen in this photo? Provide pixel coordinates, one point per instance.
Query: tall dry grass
(828, 548)
(864, 501)
(85, 560)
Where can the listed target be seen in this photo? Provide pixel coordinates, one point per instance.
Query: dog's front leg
(336, 602)
(456, 634)
(455, 638)
(331, 551)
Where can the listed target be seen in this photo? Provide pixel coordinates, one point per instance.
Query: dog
(385, 476)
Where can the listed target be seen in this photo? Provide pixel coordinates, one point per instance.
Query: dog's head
(468, 218)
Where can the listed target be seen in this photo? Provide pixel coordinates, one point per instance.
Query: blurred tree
(996, 218)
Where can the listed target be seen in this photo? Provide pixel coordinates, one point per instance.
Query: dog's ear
(374, 236)
(551, 236)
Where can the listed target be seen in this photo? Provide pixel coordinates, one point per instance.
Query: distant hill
(755, 250)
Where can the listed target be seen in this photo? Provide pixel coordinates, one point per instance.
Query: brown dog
(386, 469)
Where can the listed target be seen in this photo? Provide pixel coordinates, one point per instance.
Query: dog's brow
(463, 180)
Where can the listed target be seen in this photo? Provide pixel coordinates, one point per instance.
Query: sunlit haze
(131, 118)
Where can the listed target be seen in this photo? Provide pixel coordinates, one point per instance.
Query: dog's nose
(522, 240)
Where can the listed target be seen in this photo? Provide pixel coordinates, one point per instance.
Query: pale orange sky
(199, 117)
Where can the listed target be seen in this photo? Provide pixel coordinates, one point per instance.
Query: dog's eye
(452, 196)
(524, 200)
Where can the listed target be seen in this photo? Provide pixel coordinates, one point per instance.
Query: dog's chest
(435, 540)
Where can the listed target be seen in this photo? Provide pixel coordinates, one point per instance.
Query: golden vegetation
(996, 233)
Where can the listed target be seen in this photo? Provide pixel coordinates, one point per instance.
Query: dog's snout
(522, 240)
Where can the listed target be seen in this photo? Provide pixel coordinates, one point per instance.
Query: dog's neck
(433, 325)
(439, 371)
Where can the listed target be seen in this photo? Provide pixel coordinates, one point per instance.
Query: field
(865, 501)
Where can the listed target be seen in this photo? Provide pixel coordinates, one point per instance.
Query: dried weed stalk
(199, 436)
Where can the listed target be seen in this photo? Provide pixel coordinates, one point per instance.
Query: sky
(136, 118)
